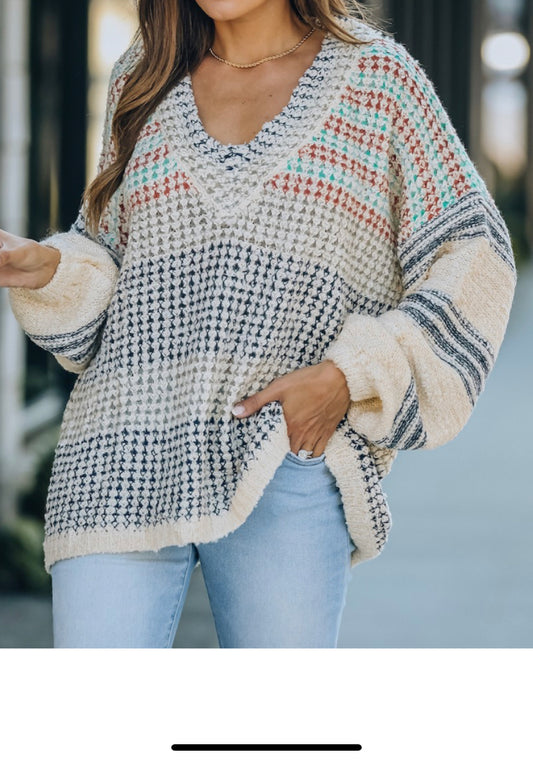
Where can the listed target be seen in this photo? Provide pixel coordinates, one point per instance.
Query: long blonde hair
(176, 35)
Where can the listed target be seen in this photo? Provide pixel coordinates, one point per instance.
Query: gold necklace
(268, 58)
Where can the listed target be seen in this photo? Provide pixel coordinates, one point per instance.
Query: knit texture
(353, 227)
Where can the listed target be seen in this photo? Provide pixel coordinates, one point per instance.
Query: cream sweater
(354, 227)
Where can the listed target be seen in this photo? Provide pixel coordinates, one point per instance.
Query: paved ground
(458, 566)
(457, 569)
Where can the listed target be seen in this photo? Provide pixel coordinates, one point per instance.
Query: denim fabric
(279, 580)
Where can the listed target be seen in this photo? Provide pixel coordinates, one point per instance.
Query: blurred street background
(457, 569)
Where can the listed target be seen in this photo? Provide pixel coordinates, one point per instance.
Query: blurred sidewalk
(457, 569)
(26, 621)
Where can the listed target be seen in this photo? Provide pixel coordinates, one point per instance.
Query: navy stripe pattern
(378, 508)
(471, 216)
(78, 345)
(407, 429)
(452, 337)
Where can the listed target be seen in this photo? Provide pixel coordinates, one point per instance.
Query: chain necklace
(268, 58)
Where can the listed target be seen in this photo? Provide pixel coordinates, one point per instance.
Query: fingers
(315, 443)
(307, 445)
(254, 403)
(320, 445)
(308, 442)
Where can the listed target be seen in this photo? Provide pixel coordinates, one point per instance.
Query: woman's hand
(314, 401)
(26, 263)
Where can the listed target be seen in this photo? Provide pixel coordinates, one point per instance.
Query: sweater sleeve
(416, 371)
(66, 316)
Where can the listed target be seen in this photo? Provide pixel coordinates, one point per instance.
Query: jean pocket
(308, 461)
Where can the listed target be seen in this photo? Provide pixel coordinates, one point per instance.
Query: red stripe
(363, 172)
(327, 192)
(375, 100)
(439, 136)
(384, 103)
(366, 138)
(178, 181)
(120, 226)
(149, 158)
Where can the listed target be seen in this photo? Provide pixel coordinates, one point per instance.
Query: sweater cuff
(79, 290)
(347, 353)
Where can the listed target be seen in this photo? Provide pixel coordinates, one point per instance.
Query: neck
(259, 34)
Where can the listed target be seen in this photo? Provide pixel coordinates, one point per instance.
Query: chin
(230, 10)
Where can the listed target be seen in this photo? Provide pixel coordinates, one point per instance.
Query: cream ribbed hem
(340, 458)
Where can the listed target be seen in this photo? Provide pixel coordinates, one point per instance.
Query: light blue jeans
(279, 580)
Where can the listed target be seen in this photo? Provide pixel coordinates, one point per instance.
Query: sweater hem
(339, 456)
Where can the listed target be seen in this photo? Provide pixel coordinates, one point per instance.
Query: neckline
(206, 161)
(232, 150)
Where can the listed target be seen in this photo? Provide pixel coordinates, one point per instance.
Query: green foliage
(21, 551)
(21, 557)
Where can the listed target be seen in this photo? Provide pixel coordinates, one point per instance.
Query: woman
(286, 270)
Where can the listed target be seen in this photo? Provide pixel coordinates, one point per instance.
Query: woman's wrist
(337, 376)
(50, 258)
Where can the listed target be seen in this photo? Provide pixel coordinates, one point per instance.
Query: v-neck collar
(230, 177)
(267, 134)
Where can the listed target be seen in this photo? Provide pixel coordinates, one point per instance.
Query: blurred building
(14, 173)
(55, 60)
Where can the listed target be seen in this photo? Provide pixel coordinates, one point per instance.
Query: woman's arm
(415, 372)
(67, 314)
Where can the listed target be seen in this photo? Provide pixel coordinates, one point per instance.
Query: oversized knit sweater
(354, 227)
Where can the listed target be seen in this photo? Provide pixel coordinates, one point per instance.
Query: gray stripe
(477, 347)
(472, 216)
(76, 349)
(407, 429)
(456, 342)
(76, 335)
